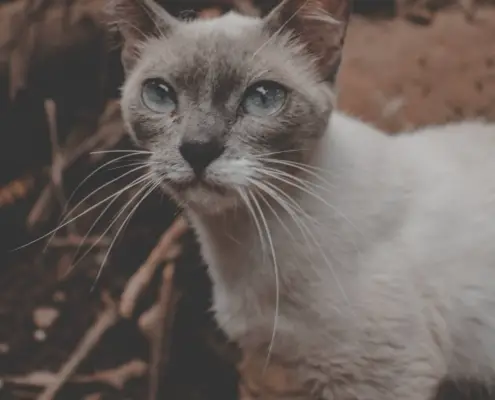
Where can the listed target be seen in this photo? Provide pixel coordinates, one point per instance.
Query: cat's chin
(202, 200)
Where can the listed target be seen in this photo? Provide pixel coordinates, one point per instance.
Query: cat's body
(363, 262)
(408, 294)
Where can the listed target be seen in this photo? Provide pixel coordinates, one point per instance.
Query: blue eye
(264, 98)
(158, 96)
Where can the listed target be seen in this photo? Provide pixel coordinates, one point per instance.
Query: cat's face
(226, 106)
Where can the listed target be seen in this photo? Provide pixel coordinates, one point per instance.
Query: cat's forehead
(196, 47)
(231, 24)
(233, 48)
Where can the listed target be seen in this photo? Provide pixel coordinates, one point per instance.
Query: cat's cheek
(141, 134)
(171, 193)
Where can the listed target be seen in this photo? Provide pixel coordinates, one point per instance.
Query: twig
(101, 136)
(57, 158)
(116, 377)
(469, 8)
(105, 321)
(160, 344)
(57, 169)
(143, 276)
(69, 157)
(148, 322)
(42, 204)
(246, 7)
(76, 241)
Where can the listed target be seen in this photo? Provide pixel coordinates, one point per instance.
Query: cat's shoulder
(471, 130)
(451, 149)
(470, 143)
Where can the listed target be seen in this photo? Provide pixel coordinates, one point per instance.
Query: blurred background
(72, 330)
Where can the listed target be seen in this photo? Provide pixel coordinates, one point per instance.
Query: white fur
(399, 290)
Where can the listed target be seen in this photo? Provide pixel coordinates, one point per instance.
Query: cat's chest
(246, 285)
(257, 282)
(285, 284)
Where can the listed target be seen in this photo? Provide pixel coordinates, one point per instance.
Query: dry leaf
(44, 317)
(16, 190)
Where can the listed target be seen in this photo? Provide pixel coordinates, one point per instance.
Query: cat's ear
(319, 24)
(138, 20)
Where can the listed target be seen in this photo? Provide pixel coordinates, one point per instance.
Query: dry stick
(76, 241)
(40, 206)
(469, 8)
(68, 159)
(160, 344)
(106, 320)
(116, 377)
(57, 170)
(141, 279)
(148, 321)
(246, 7)
(57, 157)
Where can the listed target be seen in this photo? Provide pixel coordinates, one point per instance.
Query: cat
(361, 262)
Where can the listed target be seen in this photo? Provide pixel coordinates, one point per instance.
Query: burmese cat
(363, 262)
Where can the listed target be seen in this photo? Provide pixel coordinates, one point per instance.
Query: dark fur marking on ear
(320, 25)
(137, 20)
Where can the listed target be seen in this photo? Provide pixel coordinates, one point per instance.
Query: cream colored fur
(405, 292)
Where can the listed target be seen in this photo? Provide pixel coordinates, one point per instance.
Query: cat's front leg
(409, 385)
(275, 380)
(395, 379)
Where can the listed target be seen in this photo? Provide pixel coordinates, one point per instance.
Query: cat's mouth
(198, 183)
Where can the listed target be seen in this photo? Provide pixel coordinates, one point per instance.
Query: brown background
(60, 74)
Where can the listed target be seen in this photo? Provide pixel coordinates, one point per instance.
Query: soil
(401, 76)
(395, 74)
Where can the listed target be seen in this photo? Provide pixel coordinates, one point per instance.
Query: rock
(44, 317)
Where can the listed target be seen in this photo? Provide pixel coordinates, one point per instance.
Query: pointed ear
(138, 20)
(320, 25)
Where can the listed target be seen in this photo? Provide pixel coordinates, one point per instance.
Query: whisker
(275, 193)
(304, 182)
(81, 202)
(136, 182)
(275, 175)
(294, 163)
(107, 207)
(94, 172)
(310, 233)
(106, 184)
(289, 180)
(277, 282)
(247, 201)
(274, 153)
(133, 164)
(74, 263)
(267, 203)
(279, 30)
(151, 186)
(67, 203)
(134, 152)
(295, 207)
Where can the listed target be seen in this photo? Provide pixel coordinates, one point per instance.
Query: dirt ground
(395, 74)
(401, 76)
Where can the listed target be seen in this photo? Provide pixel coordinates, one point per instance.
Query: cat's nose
(200, 154)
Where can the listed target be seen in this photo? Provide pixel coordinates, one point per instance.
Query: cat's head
(226, 105)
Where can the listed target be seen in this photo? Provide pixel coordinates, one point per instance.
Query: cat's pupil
(263, 94)
(266, 96)
(264, 99)
(160, 91)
